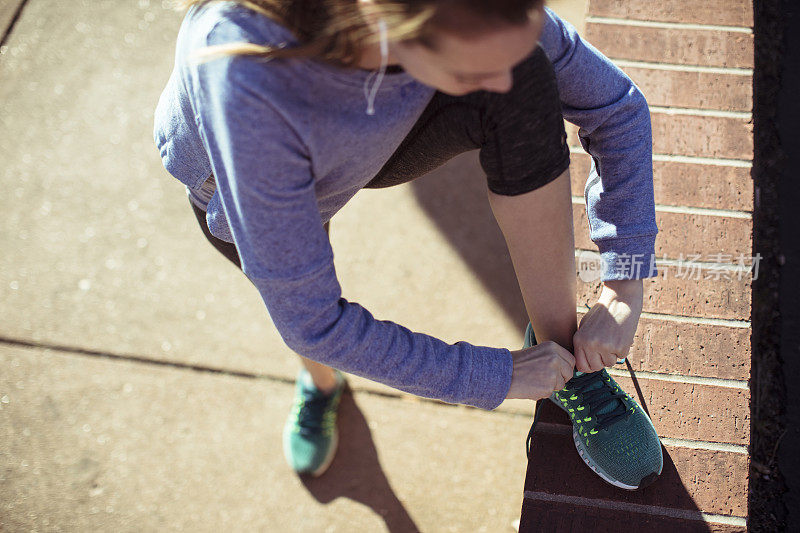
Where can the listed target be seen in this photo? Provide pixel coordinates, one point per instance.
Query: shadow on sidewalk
(454, 198)
(356, 472)
(563, 494)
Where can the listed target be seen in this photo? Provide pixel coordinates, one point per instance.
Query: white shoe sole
(328, 458)
(591, 464)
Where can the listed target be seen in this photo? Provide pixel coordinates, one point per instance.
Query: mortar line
(680, 378)
(552, 428)
(668, 25)
(687, 210)
(694, 160)
(730, 267)
(697, 112)
(744, 324)
(652, 510)
(702, 265)
(736, 71)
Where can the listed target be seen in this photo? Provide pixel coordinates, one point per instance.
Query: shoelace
(309, 416)
(594, 400)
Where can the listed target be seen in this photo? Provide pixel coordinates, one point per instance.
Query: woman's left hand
(606, 331)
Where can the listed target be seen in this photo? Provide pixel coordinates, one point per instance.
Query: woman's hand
(540, 370)
(605, 333)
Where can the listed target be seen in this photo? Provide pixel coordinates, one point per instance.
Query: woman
(279, 111)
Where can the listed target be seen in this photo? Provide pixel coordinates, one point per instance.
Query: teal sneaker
(612, 433)
(310, 436)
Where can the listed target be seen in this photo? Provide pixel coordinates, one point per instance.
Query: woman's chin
(453, 92)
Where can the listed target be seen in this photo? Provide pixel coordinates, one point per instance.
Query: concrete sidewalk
(143, 386)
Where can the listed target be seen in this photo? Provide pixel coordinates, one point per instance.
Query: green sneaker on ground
(310, 437)
(612, 433)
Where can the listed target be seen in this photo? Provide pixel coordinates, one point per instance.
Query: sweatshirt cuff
(628, 258)
(491, 377)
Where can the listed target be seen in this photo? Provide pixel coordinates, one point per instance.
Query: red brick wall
(693, 61)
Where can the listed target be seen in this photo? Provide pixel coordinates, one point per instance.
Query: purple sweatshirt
(289, 143)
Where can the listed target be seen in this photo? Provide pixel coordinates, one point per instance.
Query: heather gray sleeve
(265, 184)
(614, 122)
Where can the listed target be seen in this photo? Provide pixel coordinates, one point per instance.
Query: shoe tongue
(609, 406)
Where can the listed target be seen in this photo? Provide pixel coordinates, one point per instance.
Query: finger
(595, 362)
(621, 355)
(567, 371)
(608, 358)
(565, 355)
(559, 383)
(581, 364)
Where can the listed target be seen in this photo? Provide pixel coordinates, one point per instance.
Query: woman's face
(461, 65)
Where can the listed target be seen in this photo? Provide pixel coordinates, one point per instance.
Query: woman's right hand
(540, 370)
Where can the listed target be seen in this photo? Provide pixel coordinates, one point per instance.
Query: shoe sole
(329, 457)
(584, 453)
(334, 441)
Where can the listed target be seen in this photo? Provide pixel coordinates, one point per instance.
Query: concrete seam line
(218, 371)
(662, 261)
(11, 24)
(698, 160)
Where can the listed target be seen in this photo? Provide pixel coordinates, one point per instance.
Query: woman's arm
(266, 189)
(615, 130)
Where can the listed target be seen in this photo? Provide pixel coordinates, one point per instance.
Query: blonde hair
(336, 31)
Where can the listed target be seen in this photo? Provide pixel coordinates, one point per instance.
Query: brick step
(710, 481)
(713, 48)
(560, 517)
(690, 349)
(685, 296)
(719, 12)
(685, 184)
